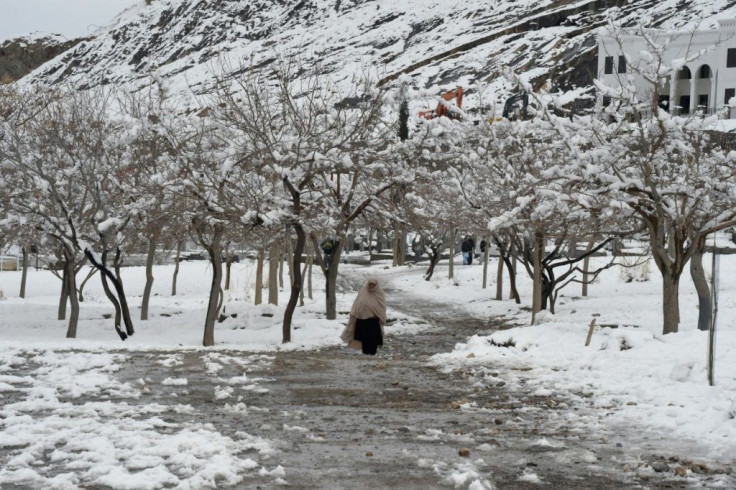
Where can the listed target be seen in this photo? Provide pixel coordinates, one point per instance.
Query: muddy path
(395, 421)
(335, 418)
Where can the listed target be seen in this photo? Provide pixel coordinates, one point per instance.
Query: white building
(699, 67)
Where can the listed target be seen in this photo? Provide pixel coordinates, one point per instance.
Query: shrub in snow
(509, 342)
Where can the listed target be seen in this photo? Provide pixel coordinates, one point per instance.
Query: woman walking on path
(367, 318)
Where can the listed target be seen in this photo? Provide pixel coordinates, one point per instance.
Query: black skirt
(368, 331)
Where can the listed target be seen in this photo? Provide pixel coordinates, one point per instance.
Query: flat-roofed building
(697, 72)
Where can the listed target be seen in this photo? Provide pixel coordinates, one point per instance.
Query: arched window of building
(703, 96)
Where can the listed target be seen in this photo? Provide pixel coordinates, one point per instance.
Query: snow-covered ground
(645, 379)
(174, 322)
(61, 399)
(57, 395)
(77, 415)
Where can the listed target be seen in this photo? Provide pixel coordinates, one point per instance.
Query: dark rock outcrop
(20, 56)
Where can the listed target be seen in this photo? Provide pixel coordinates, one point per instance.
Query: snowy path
(326, 419)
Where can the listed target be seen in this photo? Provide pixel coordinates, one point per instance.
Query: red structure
(442, 109)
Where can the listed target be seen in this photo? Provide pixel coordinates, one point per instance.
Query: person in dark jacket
(467, 249)
(328, 249)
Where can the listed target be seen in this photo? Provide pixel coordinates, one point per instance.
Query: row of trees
(91, 175)
(552, 191)
(555, 190)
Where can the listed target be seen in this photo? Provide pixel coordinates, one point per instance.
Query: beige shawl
(370, 302)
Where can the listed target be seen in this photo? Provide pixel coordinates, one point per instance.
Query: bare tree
(66, 165)
(316, 142)
(150, 152)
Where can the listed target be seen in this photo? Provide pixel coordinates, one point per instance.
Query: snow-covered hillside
(438, 43)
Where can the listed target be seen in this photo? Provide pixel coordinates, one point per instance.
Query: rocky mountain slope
(20, 56)
(439, 44)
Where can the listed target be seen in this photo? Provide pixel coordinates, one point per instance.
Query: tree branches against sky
(70, 18)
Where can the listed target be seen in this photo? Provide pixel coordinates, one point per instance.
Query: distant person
(483, 245)
(328, 249)
(367, 318)
(467, 249)
(416, 247)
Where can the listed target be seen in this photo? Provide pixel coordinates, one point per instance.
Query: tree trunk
(309, 277)
(150, 256)
(273, 271)
(485, 263)
(24, 275)
(350, 243)
(401, 259)
(117, 265)
(304, 274)
(616, 247)
(451, 268)
(395, 248)
(214, 251)
(228, 267)
(117, 284)
(220, 295)
(301, 289)
(537, 289)
(289, 255)
(434, 257)
(61, 315)
(331, 282)
(282, 259)
(511, 268)
(259, 277)
(670, 303)
(705, 306)
(370, 245)
(586, 266)
(71, 332)
(548, 297)
(111, 297)
(176, 268)
(296, 282)
(89, 275)
(499, 278)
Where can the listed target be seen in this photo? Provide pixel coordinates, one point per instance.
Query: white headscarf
(370, 302)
